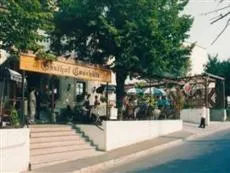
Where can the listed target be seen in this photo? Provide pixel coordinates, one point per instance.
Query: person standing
(125, 104)
(32, 105)
(203, 117)
(38, 106)
(92, 97)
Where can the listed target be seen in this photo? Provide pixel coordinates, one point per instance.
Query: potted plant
(14, 117)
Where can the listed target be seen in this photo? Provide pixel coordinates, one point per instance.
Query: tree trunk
(120, 90)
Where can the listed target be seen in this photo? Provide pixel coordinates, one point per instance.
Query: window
(79, 88)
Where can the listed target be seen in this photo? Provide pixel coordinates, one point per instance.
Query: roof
(165, 81)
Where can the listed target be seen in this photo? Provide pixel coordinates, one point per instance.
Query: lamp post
(107, 101)
(23, 100)
(223, 85)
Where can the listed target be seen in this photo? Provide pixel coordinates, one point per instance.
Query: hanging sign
(187, 89)
(59, 68)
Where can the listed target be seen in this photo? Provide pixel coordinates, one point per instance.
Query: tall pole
(107, 101)
(2, 97)
(23, 100)
(223, 85)
(52, 99)
(206, 92)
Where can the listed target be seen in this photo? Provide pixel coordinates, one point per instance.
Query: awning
(155, 91)
(10, 74)
(102, 88)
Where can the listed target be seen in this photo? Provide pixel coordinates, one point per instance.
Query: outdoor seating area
(149, 104)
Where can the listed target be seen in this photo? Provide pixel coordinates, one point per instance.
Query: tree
(143, 37)
(220, 14)
(20, 22)
(220, 68)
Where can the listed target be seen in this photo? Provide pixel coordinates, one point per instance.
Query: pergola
(204, 88)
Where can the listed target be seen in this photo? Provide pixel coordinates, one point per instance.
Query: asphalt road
(202, 155)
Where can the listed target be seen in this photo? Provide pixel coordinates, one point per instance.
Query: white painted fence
(14, 150)
(118, 134)
(194, 115)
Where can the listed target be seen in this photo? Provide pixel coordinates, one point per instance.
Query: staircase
(53, 144)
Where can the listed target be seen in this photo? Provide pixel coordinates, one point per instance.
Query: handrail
(99, 127)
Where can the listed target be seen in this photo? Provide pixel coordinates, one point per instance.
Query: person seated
(85, 109)
(142, 111)
(130, 109)
(165, 102)
(160, 103)
(125, 106)
(96, 102)
(95, 113)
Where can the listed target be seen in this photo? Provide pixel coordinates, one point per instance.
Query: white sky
(204, 33)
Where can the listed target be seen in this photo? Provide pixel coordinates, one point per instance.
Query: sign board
(187, 89)
(59, 68)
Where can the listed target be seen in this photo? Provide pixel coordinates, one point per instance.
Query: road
(203, 155)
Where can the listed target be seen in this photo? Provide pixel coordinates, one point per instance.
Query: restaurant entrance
(59, 88)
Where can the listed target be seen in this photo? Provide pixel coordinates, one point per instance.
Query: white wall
(194, 115)
(14, 150)
(95, 134)
(118, 134)
(199, 57)
(218, 115)
(122, 133)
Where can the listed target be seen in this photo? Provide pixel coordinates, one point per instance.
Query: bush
(14, 118)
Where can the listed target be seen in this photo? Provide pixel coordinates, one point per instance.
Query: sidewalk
(132, 152)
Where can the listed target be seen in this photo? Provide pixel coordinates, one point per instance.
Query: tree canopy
(20, 22)
(144, 37)
(220, 68)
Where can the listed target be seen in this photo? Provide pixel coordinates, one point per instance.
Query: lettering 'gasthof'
(55, 68)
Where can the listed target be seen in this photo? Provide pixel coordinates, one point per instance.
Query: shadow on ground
(216, 160)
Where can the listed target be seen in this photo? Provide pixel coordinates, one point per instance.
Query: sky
(204, 33)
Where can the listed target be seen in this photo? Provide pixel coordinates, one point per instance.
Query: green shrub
(14, 118)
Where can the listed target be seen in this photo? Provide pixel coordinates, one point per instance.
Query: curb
(125, 159)
(206, 133)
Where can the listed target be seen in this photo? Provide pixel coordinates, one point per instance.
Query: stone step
(52, 134)
(55, 158)
(60, 149)
(56, 144)
(53, 144)
(54, 139)
(49, 126)
(49, 129)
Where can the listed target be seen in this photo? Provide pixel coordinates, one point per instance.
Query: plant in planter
(150, 102)
(151, 106)
(14, 117)
(179, 98)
